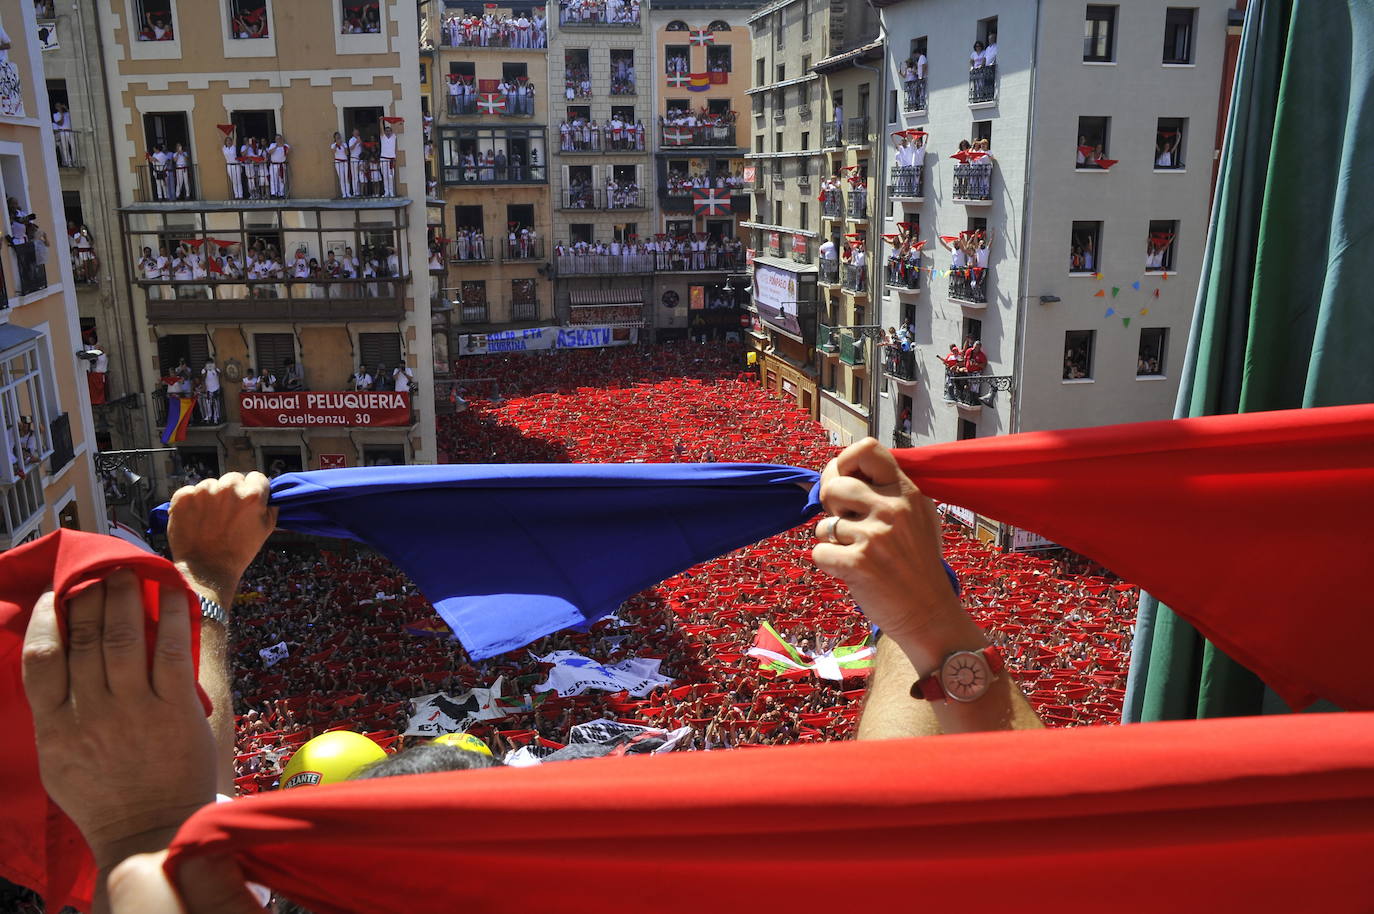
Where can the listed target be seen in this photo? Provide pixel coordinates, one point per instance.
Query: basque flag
(707, 201)
(703, 36)
(491, 102)
(178, 417)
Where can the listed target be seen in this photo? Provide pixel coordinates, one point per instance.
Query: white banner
(574, 674)
(438, 713)
(537, 338)
(273, 655)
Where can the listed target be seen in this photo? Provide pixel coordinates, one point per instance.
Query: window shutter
(379, 349)
(274, 351)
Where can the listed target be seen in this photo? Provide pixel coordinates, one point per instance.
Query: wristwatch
(964, 676)
(211, 610)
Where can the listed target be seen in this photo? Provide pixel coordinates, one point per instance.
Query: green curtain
(1284, 316)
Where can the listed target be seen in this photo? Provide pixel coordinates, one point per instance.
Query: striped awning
(587, 298)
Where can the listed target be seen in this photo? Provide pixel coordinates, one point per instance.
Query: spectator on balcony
(355, 162)
(249, 383)
(990, 51)
(157, 171)
(157, 28)
(1165, 147)
(267, 382)
(980, 242)
(401, 378)
(84, 263)
(975, 360)
(1075, 364)
(277, 154)
(230, 266)
(232, 167)
(62, 131)
(211, 405)
(179, 180)
(978, 59)
(362, 378)
(292, 377)
(338, 150)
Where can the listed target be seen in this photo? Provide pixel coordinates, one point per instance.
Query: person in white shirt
(157, 162)
(232, 167)
(977, 59)
(62, 129)
(339, 152)
(250, 382)
(362, 380)
(181, 166)
(388, 161)
(401, 378)
(209, 376)
(355, 165)
(990, 52)
(276, 158)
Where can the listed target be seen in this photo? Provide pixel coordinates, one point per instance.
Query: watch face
(965, 676)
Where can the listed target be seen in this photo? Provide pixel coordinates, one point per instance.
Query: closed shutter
(379, 349)
(567, 188)
(274, 351)
(193, 347)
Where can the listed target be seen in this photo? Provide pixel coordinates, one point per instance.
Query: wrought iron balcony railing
(830, 271)
(982, 84)
(827, 338)
(974, 390)
(907, 181)
(833, 205)
(853, 278)
(899, 363)
(973, 181)
(914, 95)
(833, 134)
(857, 208)
(902, 274)
(969, 285)
(857, 131)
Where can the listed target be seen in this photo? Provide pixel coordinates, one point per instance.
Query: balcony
(625, 198)
(524, 310)
(973, 392)
(854, 278)
(832, 207)
(218, 302)
(199, 419)
(452, 36)
(161, 183)
(908, 182)
(603, 264)
(832, 134)
(973, 182)
(491, 104)
(899, 364)
(488, 175)
(968, 286)
(982, 84)
(828, 339)
(904, 276)
(901, 439)
(469, 253)
(682, 136)
(856, 131)
(914, 95)
(853, 348)
(20, 504)
(522, 250)
(857, 209)
(757, 184)
(829, 271)
(579, 198)
(469, 313)
(576, 15)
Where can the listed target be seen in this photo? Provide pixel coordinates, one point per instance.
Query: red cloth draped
(1230, 520)
(39, 845)
(1271, 813)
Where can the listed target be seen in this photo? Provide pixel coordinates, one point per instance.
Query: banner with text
(573, 674)
(536, 338)
(307, 409)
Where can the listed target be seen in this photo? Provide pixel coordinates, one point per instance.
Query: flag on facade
(491, 103)
(699, 82)
(703, 36)
(678, 80)
(178, 418)
(708, 201)
(677, 136)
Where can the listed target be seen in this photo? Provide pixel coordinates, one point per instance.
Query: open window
(1159, 250)
(258, 125)
(277, 461)
(248, 19)
(1178, 35)
(1170, 133)
(1099, 34)
(155, 20)
(718, 58)
(1154, 347)
(1093, 137)
(677, 59)
(1079, 346)
(1085, 247)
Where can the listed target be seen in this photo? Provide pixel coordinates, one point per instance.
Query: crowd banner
(573, 674)
(273, 655)
(534, 339)
(439, 713)
(299, 409)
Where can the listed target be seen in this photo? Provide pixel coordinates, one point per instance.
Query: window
(274, 351)
(778, 142)
(676, 228)
(155, 20)
(973, 331)
(384, 455)
(779, 29)
(172, 348)
(468, 217)
(1092, 141)
(858, 390)
(677, 25)
(1078, 354)
(806, 140)
(718, 58)
(780, 72)
(625, 231)
(1178, 35)
(462, 149)
(804, 218)
(582, 231)
(279, 460)
(777, 212)
(758, 143)
(892, 106)
(982, 130)
(259, 125)
(718, 25)
(806, 66)
(360, 18)
(1099, 34)
(248, 19)
(1159, 251)
(512, 72)
(198, 463)
(987, 30)
(379, 349)
(1170, 133)
(967, 430)
(806, 20)
(366, 120)
(623, 78)
(760, 72)
(1085, 247)
(677, 58)
(625, 113)
(1154, 347)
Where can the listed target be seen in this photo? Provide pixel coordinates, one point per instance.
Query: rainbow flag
(178, 417)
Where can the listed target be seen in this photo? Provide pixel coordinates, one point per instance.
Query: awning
(586, 298)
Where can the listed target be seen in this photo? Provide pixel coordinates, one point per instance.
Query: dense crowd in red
(362, 641)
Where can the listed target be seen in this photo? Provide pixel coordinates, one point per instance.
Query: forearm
(215, 675)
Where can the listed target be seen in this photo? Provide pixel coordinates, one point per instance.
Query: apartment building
(269, 162)
(493, 101)
(89, 228)
(801, 223)
(47, 474)
(703, 53)
(601, 66)
(1081, 215)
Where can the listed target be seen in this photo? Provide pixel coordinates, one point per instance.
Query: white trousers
(389, 177)
(235, 172)
(341, 169)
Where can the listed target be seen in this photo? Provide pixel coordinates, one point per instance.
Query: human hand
(884, 542)
(217, 526)
(124, 749)
(204, 885)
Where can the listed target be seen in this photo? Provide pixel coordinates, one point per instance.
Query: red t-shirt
(975, 360)
(953, 361)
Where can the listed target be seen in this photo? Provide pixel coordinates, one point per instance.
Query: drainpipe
(878, 202)
(1019, 344)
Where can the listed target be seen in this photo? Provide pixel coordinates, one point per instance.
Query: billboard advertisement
(775, 297)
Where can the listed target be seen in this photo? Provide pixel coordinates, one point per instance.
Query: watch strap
(212, 611)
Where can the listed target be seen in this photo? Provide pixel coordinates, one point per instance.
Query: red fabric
(1266, 814)
(39, 845)
(1229, 520)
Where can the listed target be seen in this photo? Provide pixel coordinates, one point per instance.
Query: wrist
(219, 585)
(940, 634)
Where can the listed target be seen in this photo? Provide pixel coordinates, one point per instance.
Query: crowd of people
(156, 26)
(495, 165)
(514, 97)
(361, 642)
(680, 182)
(913, 75)
(968, 266)
(579, 134)
(203, 261)
(521, 29)
(685, 126)
(962, 365)
(363, 19)
(29, 242)
(973, 171)
(686, 252)
(613, 12)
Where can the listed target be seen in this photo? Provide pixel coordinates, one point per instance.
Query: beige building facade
(303, 266)
(47, 438)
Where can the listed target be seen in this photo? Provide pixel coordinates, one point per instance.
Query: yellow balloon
(330, 758)
(463, 741)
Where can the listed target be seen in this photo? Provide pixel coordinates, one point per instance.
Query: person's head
(977, 345)
(965, 145)
(992, 37)
(280, 138)
(978, 46)
(357, 133)
(386, 128)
